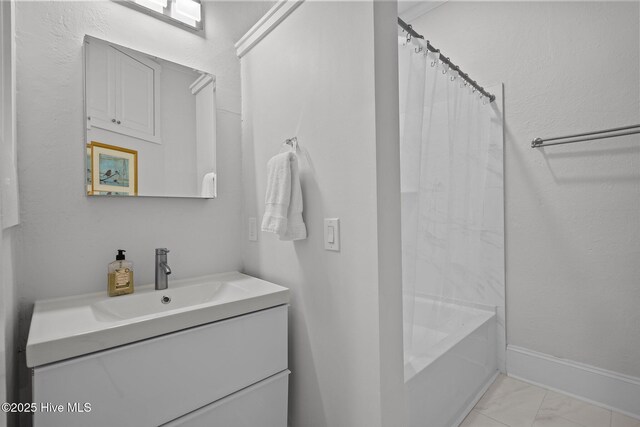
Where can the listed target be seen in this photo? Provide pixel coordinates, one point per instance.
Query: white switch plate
(253, 230)
(332, 234)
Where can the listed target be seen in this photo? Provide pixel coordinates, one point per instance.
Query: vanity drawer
(263, 404)
(152, 382)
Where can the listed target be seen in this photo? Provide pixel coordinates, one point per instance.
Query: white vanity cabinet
(123, 91)
(229, 373)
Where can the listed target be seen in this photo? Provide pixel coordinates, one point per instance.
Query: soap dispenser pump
(120, 275)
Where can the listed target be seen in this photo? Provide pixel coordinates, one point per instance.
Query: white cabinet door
(101, 86)
(135, 97)
(123, 91)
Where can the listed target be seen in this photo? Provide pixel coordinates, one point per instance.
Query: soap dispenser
(120, 276)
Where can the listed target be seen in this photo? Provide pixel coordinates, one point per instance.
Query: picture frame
(114, 170)
(88, 168)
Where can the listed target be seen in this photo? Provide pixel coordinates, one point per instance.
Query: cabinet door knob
(113, 120)
(118, 122)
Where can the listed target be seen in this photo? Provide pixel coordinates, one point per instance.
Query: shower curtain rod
(588, 136)
(409, 29)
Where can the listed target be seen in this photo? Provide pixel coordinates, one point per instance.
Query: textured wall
(66, 238)
(572, 227)
(61, 226)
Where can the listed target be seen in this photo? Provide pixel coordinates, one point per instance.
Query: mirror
(150, 125)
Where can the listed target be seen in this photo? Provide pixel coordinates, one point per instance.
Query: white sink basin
(173, 298)
(62, 328)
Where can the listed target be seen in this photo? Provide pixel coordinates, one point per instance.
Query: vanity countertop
(62, 328)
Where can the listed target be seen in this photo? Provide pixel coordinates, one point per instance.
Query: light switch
(332, 234)
(253, 230)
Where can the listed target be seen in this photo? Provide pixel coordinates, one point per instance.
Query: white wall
(9, 211)
(314, 77)
(8, 322)
(67, 239)
(389, 215)
(60, 224)
(572, 227)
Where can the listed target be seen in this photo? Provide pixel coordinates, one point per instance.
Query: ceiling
(409, 10)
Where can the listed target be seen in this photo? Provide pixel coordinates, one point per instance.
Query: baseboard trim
(600, 387)
(476, 399)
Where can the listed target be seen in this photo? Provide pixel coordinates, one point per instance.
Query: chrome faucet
(162, 269)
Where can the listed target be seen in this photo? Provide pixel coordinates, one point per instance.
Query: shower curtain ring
(445, 65)
(436, 53)
(418, 49)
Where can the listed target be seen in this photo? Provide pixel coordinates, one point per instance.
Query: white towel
(209, 186)
(283, 200)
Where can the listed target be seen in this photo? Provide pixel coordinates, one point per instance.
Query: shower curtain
(451, 184)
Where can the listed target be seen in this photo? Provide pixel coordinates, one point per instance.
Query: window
(181, 12)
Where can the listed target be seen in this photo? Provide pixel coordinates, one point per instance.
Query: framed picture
(88, 167)
(114, 170)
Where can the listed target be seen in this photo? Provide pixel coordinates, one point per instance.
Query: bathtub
(450, 359)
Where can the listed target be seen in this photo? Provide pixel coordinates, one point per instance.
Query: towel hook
(293, 142)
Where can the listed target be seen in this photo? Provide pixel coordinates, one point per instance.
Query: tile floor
(512, 403)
